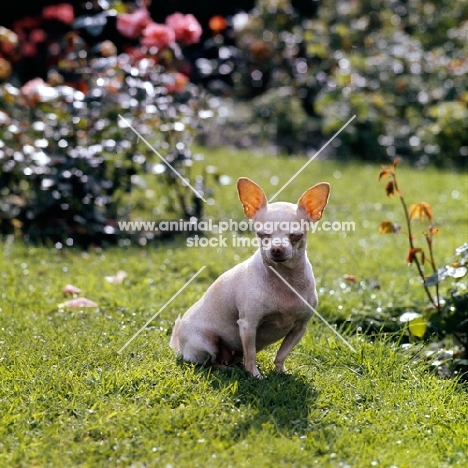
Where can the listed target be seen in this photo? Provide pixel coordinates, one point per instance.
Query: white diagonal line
(312, 158)
(160, 310)
(313, 310)
(155, 151)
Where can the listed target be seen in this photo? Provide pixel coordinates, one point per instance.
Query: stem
(410, 238)
(431, 257)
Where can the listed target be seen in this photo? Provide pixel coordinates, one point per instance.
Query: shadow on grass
(278, 402)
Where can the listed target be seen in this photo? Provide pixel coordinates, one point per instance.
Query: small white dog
(249, 307)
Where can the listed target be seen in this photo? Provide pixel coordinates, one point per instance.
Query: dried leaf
(350, 278)
(390, 189)
(385, 172)
(410, 258)
(396, 162)
(388, 227)
(420, 210)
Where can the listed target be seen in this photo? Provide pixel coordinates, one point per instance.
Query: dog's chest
(283, 307)
(288, 298)
(276, 324)
(286, 304)
(281, 320)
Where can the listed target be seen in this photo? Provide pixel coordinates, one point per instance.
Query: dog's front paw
(279, 367)
(255, 372)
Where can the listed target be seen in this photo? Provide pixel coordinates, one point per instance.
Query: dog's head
(282, 227)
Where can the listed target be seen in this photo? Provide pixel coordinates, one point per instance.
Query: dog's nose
(277, 252)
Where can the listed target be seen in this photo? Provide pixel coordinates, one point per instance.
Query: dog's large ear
(314, 200)
(251, 196)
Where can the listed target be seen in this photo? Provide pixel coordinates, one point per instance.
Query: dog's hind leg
(174, 343)
(198, 347)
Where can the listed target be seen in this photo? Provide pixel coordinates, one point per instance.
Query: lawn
(68, 398)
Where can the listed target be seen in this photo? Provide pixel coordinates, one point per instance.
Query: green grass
(69, 399)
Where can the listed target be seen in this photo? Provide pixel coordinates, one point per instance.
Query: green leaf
(417, 327)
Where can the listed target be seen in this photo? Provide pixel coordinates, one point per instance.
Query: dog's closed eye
(263, 235)
(296, 237)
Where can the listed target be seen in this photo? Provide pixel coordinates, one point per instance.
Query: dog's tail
(174, 343)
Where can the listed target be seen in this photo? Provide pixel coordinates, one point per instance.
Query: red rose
(157, 35)
(186, 27)
(62, 12)
(132, 24)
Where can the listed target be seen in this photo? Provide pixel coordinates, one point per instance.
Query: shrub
(406, 86)
(70, 147)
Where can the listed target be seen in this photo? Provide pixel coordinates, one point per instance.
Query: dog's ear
(314, 200)
(251, 196)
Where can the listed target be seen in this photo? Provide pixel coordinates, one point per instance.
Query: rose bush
(69, 154)
(399, 69)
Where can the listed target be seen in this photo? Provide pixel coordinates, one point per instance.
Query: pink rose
(62, 12)
(186, 27)
(132, 24)
(157, 35)
(179, 83)
(34, 90)
(32, 85)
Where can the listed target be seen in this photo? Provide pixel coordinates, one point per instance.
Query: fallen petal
(118, 278)
(70, 289)
(350, 278)
(78, 302)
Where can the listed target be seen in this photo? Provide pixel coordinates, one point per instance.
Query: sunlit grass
(69, 399)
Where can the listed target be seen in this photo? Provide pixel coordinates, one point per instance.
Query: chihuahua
(250, 306)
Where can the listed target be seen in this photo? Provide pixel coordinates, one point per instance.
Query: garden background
(108, 110)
